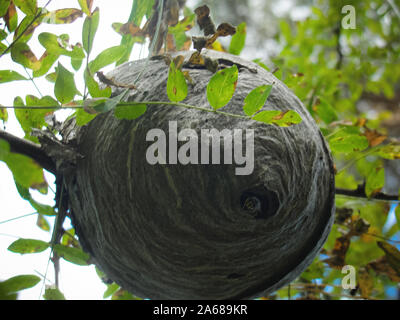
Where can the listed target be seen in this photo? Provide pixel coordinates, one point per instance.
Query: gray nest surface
(178, 231)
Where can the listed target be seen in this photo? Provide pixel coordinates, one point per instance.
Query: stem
(30, 77)
(363, 155)
(127, 104)
(16, 218)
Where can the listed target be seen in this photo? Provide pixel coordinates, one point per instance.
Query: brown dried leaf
(170, 43)
(178, 61)
(204, 20)
(339, 251)
(132, 29)
(365, 282)
(279, 116)
(374, 137)
(392, 255)
(381, 266)
(225, 29)
(361, 122)
(11, 12)
(172, 8)
(197, 59)
(199, 43)
(188, 78)
(359, 227)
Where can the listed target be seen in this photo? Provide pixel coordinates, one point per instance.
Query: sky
(76, 282)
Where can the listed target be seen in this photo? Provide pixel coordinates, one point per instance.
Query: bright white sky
(76, 282)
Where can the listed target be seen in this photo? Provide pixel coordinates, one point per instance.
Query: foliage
(328, 67)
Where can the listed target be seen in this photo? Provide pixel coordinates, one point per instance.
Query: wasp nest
(200, 231)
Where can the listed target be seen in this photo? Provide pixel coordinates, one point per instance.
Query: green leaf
(266, 116)
(47, 61)
(390, 152)
(281, 119)
(179, 30)
(89, 30)
(29, 7)
(28, 246)
(111, 289)
(139, 9)
(347, 141)
(62, 16)
(26, 28)
(106, 57)
(177, 89)
(130, 111)
(94, 88)
(53, 294)
(221, 87)
(22, 54)
(325, 111)
(26, 172)
(33, 117)
(57, 45)
(397, 213)
(110, 103)
(256, 99)
(238, 39)
(73, 255)
(3, 114)
(375, 181)
(83, 117)
(42, 223)
(64, 88)
(4, 4)
(9, 75)
(19, 283)
(84, 6)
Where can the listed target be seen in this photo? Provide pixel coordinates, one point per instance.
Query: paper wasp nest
(200, 231)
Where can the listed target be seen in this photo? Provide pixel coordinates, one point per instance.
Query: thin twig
(29, 76)
(19, 217)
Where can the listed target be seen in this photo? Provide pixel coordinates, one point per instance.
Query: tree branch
(339, 52)
(29, 149)
(360, 193)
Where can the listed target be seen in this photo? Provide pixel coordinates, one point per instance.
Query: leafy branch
(38, 14)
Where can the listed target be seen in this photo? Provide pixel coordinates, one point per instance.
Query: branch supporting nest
(29, 149)
(360, 193)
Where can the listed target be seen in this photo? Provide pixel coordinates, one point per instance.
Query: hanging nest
(177, 231)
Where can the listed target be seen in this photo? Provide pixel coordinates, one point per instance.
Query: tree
(339, 62)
